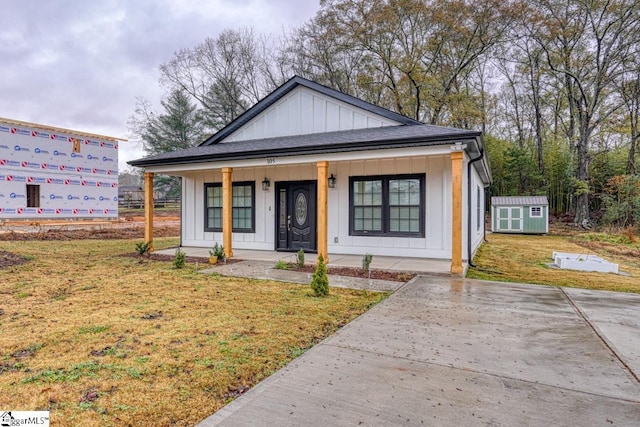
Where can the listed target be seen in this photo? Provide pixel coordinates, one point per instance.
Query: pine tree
(320, 280)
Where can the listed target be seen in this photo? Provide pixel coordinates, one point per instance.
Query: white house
(310, 167)
(53, 173)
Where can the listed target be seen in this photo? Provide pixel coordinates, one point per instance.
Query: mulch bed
(170, 258)
(110, 233)
(394, 276)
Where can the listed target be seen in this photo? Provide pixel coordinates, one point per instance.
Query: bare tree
(584, 44)
(225, 75)
(629, 90)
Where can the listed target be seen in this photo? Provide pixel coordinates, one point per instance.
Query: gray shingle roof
(287, 87)
(519, 201)
(327, 142)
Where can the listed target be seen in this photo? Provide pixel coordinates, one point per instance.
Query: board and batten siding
(476, 212)
(535, 225)
(435, 244)
(303, 111)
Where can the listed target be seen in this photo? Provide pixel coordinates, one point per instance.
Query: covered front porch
(336, 205)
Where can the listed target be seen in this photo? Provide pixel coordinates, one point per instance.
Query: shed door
(510, 218)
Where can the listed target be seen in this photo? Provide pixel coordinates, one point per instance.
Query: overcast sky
(81, 64)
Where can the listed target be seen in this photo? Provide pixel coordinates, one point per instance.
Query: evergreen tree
(320, 280)
(179, 126)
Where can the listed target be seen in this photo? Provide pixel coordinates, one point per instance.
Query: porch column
(227, 218)
(456, 211)
(148, 209)
(323, 188)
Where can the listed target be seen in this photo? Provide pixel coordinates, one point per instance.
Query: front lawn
(525, 259)
(102, 339)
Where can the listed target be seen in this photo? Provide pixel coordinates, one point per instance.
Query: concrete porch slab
(414, 265)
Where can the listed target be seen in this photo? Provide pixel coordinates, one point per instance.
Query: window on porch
(242, 207)
(391, 205)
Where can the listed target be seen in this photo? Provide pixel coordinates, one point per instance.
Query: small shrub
(366, 262)
(320, 280)
(217, 251)
(142, 248)
(180, 259)
(300, 258)
(282, 265)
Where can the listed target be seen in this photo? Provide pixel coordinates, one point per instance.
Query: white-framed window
(536, 212)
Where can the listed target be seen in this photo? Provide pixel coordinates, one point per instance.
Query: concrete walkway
(264, 270)
(455, 352)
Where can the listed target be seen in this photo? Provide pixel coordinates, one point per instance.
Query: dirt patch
(7, 259)
(117, 231)
(394, 276)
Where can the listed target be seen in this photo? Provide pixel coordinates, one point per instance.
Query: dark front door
(296, 216)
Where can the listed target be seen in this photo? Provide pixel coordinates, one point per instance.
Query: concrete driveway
(456, 352)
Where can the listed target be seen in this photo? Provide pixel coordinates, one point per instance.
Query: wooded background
(553, 84)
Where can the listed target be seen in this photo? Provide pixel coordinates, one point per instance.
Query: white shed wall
(303, 111)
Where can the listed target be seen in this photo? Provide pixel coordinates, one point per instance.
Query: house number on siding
(271, 160)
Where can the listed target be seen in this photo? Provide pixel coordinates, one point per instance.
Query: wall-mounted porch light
(266, 184)
(332, 181)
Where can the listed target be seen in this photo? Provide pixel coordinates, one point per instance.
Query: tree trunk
(631, 161)
(582, 217)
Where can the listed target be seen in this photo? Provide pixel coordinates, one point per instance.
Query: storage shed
(520, 214)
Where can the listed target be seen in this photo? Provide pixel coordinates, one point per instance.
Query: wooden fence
(157, 203)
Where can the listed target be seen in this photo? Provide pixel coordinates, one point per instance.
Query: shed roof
(519, 201)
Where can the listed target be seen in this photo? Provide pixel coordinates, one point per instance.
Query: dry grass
(102, 339)
(525, 258)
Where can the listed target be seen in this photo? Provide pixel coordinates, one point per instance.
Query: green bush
(143, 248)
(282, 265)
(621, 200)
(180, 259)
(300, 258)
(320, 280)
(217, 251)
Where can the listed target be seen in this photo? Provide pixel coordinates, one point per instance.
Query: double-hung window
(391, 205)
(242, 207)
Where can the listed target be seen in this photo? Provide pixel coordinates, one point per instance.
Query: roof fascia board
(340, 148)
(431, 150)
